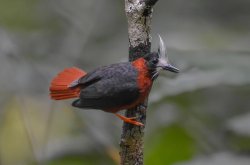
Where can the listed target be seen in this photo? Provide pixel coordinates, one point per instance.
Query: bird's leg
(130, 120)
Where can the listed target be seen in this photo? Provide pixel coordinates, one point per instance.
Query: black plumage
(108, 87)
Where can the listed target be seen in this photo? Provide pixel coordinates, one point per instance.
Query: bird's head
(159, 60)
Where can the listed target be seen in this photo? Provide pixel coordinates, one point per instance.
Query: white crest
(162, 51)
(163, 62)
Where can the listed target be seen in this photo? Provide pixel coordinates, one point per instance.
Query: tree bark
(139, 15)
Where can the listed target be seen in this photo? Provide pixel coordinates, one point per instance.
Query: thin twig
(49, 117)
(28, 131)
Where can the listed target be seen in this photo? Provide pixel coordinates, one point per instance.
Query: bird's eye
(155, 61)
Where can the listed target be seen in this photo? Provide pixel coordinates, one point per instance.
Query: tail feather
(59, 87)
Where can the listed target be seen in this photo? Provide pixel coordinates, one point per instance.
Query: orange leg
(130, 120)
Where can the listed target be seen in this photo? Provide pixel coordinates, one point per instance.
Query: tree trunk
(139, 15)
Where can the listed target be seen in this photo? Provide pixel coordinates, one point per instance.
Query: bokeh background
(198, 117)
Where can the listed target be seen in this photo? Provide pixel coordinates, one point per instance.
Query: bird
(114, 87)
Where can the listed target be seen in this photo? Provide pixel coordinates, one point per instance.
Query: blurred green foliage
(19, 15)
(169, 145)
(92, 159)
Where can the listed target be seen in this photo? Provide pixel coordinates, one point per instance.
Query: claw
(143, 106)
(130, 120)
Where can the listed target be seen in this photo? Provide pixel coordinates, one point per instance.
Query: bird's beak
(170, 68)
(165, 65)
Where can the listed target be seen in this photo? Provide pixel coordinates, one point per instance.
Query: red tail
(59, 87)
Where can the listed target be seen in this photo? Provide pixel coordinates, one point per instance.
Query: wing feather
(116, 86)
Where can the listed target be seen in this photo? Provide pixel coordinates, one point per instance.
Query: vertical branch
(139, 15)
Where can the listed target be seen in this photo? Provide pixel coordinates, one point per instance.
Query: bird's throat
(144, 78)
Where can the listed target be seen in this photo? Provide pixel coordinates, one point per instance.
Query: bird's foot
(142, 107)
(130, 120)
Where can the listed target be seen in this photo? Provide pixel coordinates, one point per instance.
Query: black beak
(171, 68)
